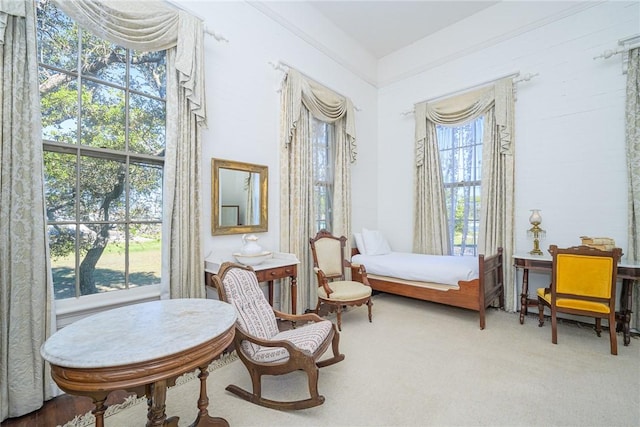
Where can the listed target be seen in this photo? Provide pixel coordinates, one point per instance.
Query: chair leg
(598, 326)
(339, 317)
(370, 304)
(612, 334)
(554, 327)
(540, 313)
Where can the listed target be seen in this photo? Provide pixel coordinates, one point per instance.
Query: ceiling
(382, 27)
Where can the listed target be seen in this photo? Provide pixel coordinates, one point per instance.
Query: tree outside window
(103, 128)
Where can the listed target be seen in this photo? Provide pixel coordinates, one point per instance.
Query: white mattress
(448, 270)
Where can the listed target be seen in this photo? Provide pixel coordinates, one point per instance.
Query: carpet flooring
(425, 364)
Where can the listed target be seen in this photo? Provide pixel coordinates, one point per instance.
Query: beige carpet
(421, 364)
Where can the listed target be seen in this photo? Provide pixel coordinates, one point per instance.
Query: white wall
(243, 102)
(570, 159)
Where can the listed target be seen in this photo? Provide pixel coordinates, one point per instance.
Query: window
(461, 161)
(323, 142)
(103, 129)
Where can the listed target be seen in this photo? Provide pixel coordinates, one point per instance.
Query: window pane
(60, 183)
(147, 118)
(62, 244)
(148, 73)
(103, 116)
(57, 38)
(145, 198)
(144, 254)
(102, 184)
(59, 106)
(103, 60)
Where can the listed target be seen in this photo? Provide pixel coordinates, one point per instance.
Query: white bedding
(448, 270)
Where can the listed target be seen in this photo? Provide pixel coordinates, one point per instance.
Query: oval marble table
(142, 348)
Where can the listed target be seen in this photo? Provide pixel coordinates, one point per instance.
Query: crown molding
(377, 83)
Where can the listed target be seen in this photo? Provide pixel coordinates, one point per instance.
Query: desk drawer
(276, 273)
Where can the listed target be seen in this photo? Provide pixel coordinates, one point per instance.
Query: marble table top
(138, 333)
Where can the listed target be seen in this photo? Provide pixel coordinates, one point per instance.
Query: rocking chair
(263, 348)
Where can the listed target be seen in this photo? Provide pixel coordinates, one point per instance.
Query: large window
(323, 141)
(103, 129)
(461, 160)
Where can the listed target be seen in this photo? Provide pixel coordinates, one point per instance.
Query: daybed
(468, 287)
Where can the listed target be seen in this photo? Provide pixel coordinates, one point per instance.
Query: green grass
(144, 268)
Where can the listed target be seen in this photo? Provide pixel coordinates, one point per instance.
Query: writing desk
(142, 348)
(628, 271)
(280, 266)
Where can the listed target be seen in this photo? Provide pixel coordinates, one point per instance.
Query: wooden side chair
(583, 282)
(263, 348)
(329, 264)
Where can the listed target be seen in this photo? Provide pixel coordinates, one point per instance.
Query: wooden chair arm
(322, 280)
(358, 271)
(307, 317)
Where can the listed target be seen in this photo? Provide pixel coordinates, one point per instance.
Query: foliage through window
(103, 129)
(323, 142)
(461, 161)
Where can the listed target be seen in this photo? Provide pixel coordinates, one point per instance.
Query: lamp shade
(535, 217)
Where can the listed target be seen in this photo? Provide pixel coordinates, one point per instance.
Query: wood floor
(60, 410)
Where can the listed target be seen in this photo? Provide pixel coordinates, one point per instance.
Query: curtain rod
(217, 36)
(525, 78)
(284, 67)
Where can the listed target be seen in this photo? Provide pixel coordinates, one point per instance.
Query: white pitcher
(250, 245)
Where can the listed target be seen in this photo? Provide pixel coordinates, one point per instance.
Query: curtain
(154, 25)
(633, 167)
(26, 285)
(301, 100)
(496, 103)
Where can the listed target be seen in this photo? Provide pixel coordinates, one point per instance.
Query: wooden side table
(281, 266)
(143, 349)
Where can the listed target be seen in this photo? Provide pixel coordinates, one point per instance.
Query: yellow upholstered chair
(329, 264)
(583, 282)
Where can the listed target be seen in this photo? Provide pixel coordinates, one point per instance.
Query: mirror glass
(238, 197)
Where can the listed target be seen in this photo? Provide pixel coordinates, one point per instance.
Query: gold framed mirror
(238, 197)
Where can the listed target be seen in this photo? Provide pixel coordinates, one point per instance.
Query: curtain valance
(149, 26)
(322, 102)
(466, 107)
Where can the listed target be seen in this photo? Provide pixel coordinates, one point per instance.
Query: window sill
(73, 309)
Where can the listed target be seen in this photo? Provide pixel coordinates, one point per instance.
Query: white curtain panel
(633, 166)
(496, 102)
(155, 25)
(25, 276)
(301, 99)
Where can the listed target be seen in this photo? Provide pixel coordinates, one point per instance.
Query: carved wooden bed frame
(477, 294)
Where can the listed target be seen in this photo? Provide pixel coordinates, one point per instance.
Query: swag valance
(149, 25)
(323, 104)
(467, 107)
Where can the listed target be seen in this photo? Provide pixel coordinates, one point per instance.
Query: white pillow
(375, 242)
(360, 243)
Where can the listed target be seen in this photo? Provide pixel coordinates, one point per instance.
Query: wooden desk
(628, 271)
(142, 348)
(281, 266)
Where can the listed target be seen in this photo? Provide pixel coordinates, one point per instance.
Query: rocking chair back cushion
(255, 315)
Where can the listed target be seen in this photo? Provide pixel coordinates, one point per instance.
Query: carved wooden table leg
(203, 418)
(623, 319)
(524, 295)
(99, 411)
(156, 415)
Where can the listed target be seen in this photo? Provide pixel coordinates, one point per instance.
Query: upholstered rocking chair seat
(345, 290)
(307, 339)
